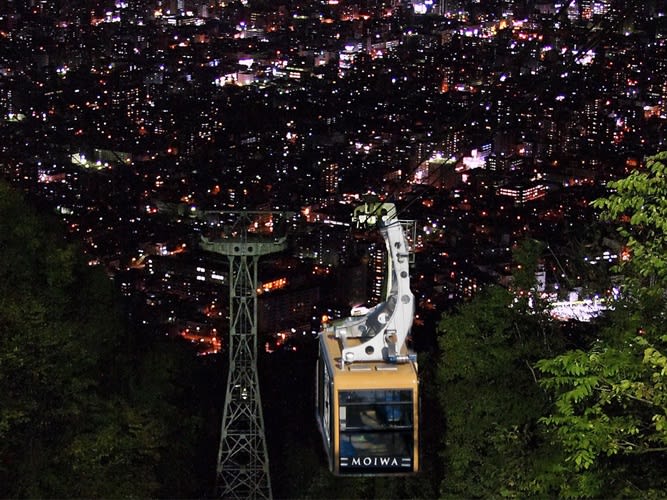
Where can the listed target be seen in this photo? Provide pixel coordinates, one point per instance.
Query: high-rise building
(593, 121)
(451, 7)
(330, 177)
(377, 264)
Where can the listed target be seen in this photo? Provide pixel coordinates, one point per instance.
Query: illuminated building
(523, 193)
(505, 164)
(330, 177)
(347, 56)
(377, 264)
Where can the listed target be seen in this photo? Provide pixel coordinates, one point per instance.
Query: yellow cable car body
(368, 413)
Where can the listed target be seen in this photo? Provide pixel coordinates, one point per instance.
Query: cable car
(367, 381)
(368, 413)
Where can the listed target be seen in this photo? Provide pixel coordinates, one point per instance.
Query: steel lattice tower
(243, 461)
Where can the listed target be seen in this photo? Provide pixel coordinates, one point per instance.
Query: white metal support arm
(385, 327)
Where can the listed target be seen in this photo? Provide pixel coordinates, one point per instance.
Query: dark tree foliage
(610, 411)
(79, 417)
(489, 394)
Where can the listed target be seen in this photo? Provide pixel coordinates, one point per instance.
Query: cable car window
(375, 444)
(376, 424)
(376, 410)
(325, 411)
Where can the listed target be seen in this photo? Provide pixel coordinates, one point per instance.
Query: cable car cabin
(367, 394)
(368, 413)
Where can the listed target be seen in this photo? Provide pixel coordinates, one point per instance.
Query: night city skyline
(142, 126)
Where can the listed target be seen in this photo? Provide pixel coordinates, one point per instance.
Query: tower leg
(243, 462)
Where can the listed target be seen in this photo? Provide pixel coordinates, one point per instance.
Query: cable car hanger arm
(384, 328)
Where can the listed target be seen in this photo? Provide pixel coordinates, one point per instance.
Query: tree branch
(624, 394)
(531, 370)
(639, 451)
